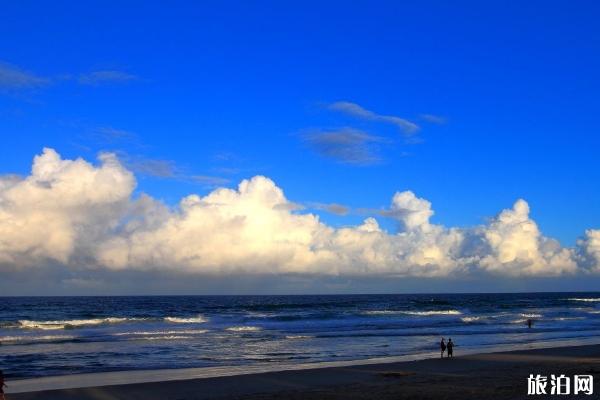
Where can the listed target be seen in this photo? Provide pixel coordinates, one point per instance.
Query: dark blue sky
(222, 91)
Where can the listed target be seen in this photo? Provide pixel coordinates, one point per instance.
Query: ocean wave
(531, 315)
(418, 313)
(470, 319)
(518, 321)
(169, 337)
(148, 333)
(34, 339)
(243, 329)
(295, 337)
(190, 320)
(434, 312)
(380, 312)
(71, 323)
(585, 299)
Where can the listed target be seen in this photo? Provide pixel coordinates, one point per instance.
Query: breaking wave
(191, 320)
(243, 329)
(72, 323)
(585, 299)
(418, 313)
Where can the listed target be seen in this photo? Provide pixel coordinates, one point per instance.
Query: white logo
(559, 384)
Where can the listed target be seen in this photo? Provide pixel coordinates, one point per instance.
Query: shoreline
(116, 381)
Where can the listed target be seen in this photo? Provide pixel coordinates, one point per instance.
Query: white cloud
(78, 215)
(62, 207)
(412, 212)
(358, 111)
(518, 248)
(12, 77)
(589, 250)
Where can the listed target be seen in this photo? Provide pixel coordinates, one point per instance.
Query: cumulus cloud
(412, 212)
(589, 250)
(61, 209)
(517, 246)
(358, 111)
(79, 215)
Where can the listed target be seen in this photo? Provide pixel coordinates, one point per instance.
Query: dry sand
(480, 376)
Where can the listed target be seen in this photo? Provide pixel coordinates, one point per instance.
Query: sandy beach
(478, 376)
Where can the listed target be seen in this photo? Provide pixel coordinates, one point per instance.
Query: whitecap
(147, 333)
(585, 299)
(419, 313)
(71, 323)
(531, 315)
(434, 312)
(29, 339)
(170, 337)
(190, 320)
(243, 328)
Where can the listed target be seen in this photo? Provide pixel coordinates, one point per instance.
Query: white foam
(588, 300)
(531, 315)
(434, 312)
(147, 333)
(294, 337)
(420, 313)
(243, 328)
(193, 320)
(63, 324)
(469, 319)
(20, 339)
(170, 337)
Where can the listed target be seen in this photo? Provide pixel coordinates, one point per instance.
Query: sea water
(43, 336)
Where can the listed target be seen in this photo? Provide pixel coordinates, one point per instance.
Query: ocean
(43, 336)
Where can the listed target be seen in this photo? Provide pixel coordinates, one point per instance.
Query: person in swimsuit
(450, 347)
(442, 347)
(2, 384)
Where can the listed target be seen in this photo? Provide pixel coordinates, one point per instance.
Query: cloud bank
(82, 216)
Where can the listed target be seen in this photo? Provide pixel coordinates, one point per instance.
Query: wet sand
(478, 376)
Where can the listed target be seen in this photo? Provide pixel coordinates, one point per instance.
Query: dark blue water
(42, 336)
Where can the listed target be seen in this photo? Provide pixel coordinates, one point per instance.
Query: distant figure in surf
(450, 347)
(442, 347)
(2, 384)
(529, 323)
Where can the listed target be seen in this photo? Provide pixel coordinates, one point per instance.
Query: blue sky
(194, 96)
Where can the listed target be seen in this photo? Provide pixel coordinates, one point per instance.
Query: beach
(501, 375)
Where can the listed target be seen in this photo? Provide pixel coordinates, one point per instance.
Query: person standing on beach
(2, 384)
(442, 347)
(450, 347)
